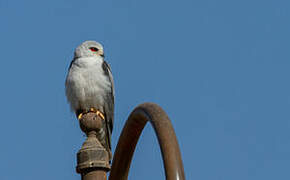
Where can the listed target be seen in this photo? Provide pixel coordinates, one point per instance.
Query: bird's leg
(99, 113)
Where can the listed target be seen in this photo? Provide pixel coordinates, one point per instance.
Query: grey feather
(109, 99)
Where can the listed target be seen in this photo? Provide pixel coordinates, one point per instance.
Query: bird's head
(89, 49)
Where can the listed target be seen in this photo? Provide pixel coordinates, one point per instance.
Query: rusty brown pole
(166, 137)
(92, 158)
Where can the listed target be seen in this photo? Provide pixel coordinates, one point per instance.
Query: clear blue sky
(220, 69)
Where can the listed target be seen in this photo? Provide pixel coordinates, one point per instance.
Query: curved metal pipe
(129, 137)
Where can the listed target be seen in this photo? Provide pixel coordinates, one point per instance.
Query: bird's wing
(68, 89)
(109, 102)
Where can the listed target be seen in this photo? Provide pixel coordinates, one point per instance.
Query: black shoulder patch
(106, 68)
(71, 63)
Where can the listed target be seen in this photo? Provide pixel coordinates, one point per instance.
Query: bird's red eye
(94, 49)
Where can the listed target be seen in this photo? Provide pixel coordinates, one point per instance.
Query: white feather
(86, 84)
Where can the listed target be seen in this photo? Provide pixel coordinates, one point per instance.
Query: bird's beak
(101, 53)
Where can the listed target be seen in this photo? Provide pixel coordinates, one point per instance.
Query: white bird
(90, 87)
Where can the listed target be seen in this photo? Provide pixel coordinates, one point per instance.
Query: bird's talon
(100, 114)
(80, 116)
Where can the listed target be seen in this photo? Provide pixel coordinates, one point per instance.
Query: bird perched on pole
(90, 88)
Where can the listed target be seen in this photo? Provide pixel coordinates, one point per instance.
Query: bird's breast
(89, 84)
